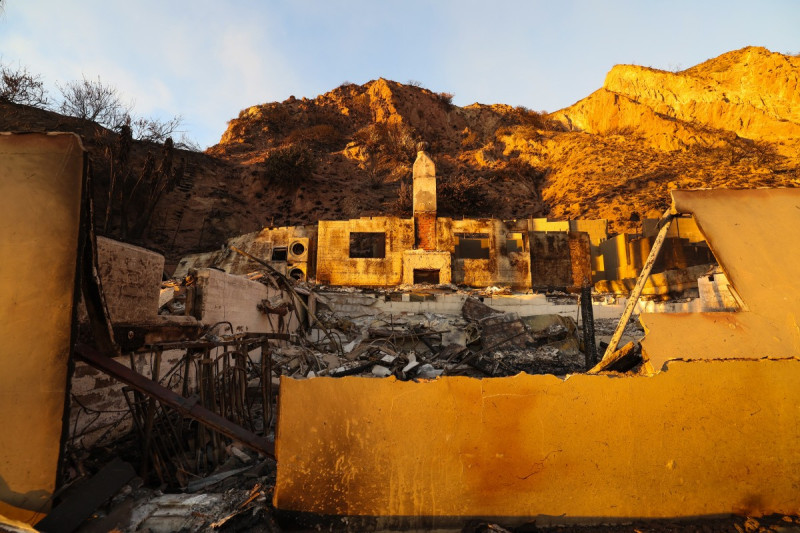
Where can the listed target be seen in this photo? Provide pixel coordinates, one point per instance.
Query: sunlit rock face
(752, 92)
(732, 121)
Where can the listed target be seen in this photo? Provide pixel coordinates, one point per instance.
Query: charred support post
(86, 498)
(587, 312)
(186, 406)
(151, 412)
(664, 224)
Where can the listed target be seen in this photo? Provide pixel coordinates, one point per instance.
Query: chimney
(424, 199)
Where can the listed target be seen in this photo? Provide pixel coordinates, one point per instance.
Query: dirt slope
(194, 212)
(732, 121)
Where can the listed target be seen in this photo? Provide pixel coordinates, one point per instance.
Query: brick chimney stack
(424, 199)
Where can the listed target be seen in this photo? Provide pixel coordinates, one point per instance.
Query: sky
(207, 60)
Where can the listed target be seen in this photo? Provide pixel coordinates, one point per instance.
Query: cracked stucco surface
(699, 438)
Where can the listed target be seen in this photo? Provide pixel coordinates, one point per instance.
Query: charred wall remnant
(42, 178)
(129, 274)
(560, 260)
(218, 297)
(290, 250)
(486, 251)
(335, 265)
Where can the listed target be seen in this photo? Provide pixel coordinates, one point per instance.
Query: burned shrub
(94, 100)
(536, 119)
(393, 139)
(460, 194)
(289, 166)
(446, 99)
(404, 203)
(156, 130)
(18, 86)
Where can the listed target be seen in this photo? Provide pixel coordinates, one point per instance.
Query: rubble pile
(313, 332)
(480, 342)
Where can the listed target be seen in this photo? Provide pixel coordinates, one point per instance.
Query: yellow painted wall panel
(40, 195)
(701, 438)
(754, 235)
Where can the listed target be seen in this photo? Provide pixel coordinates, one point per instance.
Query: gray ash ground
(606, 326)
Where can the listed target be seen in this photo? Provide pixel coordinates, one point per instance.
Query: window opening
(514, 242)
(472, 246)
(367, 245)
(279, 253)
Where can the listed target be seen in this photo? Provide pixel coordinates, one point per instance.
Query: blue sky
(207, 60)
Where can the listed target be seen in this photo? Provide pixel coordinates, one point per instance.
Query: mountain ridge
(731, 121)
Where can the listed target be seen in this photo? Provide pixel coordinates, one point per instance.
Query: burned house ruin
(533, 253)
(240, 391)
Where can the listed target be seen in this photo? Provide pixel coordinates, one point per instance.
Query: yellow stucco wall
(701, 438)
(544, 224)
(40, 194)
(334, 265)
(597, 228)
(616, 257)
(684, 228)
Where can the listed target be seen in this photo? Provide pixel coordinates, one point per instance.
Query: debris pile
(480, 342)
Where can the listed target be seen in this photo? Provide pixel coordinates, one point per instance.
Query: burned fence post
(150, 416)
(266, 385)
(587, 312)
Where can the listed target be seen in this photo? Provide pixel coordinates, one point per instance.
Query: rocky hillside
(348, 153)
(732, 121)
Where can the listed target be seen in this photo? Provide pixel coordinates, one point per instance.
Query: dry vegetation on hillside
(733, 121)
